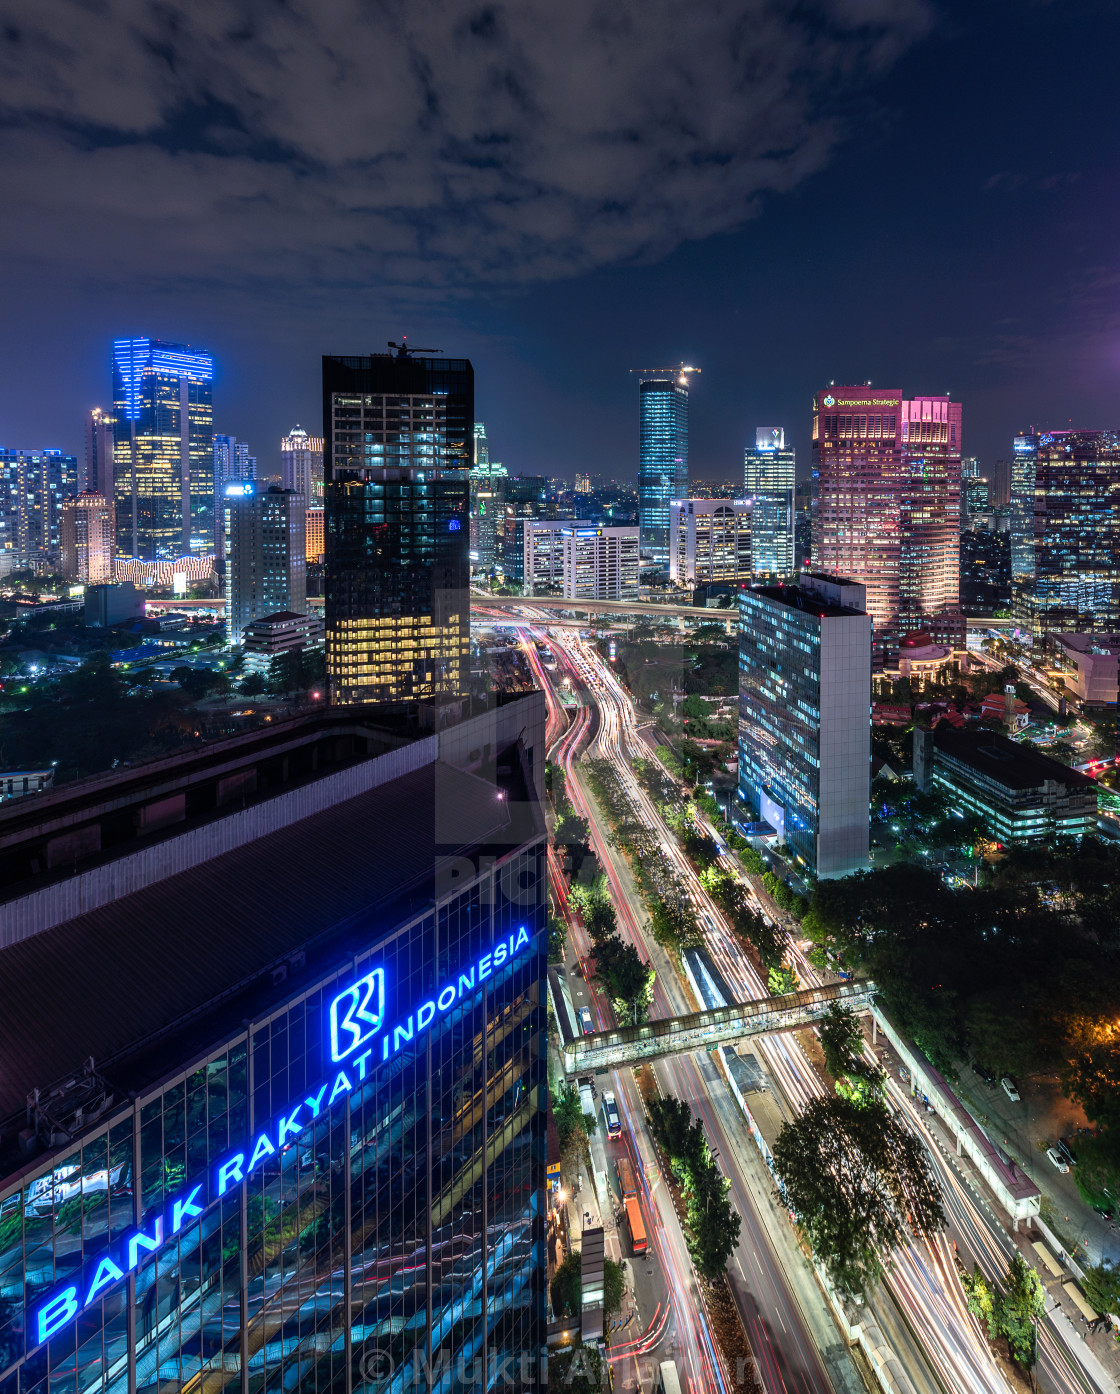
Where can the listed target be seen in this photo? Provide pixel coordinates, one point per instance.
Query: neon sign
(354, 1017)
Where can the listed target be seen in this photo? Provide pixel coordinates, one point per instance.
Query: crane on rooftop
(404, 348)
(680, 371)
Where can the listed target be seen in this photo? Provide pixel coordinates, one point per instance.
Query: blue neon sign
(354, 1017)
(356, 1014)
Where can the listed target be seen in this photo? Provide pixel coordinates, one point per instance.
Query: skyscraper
(163, 449)
(99, 453)
(662, 453)
(488, 503)
(266, 555)
(33, 486)
(804, 725)
(232, 465)
(1024, 457)
(397, 434)
(769, 479)
(886, 500)
(1073, 581)
(301, 465)
(710, 540)
(86, 538)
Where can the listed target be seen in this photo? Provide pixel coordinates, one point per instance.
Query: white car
(1009, 1089)
(1058, 1160)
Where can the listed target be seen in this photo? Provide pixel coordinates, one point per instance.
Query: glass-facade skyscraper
(769, 479)
(294, 1139)
(663, 454)
(163, 431)
(1074, 580)
(266, 555)
(1024, 459)
(34, 484)
(398, 435)
(887, 500)
(804, 732)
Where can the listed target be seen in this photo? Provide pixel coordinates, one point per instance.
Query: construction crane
(404, 348)
(680, 372)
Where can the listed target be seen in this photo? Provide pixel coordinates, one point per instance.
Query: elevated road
(632, 1045)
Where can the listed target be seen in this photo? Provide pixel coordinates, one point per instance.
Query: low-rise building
(285, 632)
(1094, 662)
(109, 605)
(1019, 793)
(16, 784)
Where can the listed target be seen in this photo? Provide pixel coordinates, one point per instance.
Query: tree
(557, 938)
(712, 1225)
(678, 1134)
(842, 1042)
(253, 685)
(857, 1180)
(696, 707)
(982, 1301)
(782, 980)
(752, 861)
(1020, 1310)
(571, 828)
(626, 976)
(567, 1110)
(567, 1286)
(575, 1371)
(1102, 1286)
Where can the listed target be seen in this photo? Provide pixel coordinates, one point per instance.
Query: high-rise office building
(526, 496)
(1072, 578)
(316, 537)
(999, 483)
(542, 564)
(710, 540)
(34, 484)
(163, 424)
(1023, 460)
(298, 1141)
(232, 465)
(802, 525)
(583, 484)
(398, 433)
(887, 498)
(600, 563)
(804, 718)
(488, 479)
(99, 453)
(266, 555)
(662, 453)
(301, 465)
(769, 480)
(985, 584)
(86, 539)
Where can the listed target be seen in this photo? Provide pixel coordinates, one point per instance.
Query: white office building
(804, 718)
(769, 478)
(543, 556)
(600, 563)
(709, 540)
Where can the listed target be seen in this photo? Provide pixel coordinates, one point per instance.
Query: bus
(636, 1225)
(667, 1381)
(610, 1113)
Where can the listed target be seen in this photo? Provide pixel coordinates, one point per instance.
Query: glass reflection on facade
(394, 1237)
(163, 453)
(663, 455)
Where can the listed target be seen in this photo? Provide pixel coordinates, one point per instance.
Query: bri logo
(357, 1014)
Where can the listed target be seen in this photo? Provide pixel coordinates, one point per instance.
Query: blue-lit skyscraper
(768, 480)
(663, 453)
(163, 449)
(1024, 461)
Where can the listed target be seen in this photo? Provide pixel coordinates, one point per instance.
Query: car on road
(611, 1115)
(1065, 1148)
(1057, 1158)
(585, 1022)
(985, 1074)
(1010, 1089)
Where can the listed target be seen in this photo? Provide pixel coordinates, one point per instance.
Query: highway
(923, 1313)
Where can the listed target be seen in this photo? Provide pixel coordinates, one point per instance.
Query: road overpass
(631, 1045)
(642, 609)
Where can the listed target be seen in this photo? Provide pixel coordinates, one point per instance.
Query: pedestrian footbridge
(630, 1045)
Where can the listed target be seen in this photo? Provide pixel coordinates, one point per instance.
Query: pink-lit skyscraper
(887, 499)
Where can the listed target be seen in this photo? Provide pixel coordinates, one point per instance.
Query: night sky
(783, 194)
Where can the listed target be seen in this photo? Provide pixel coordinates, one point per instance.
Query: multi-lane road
(920, 1310)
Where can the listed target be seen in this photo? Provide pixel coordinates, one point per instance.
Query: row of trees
(1011, 1311)
(711, 1225)
(1021, 973)
(619, 968)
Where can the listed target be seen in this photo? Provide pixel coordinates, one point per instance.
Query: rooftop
(1007, 762)
(152, 979)
(798, 598)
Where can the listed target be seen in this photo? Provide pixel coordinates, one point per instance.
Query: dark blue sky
(924, 195)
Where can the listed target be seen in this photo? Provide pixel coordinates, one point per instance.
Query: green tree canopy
(858, 1180)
